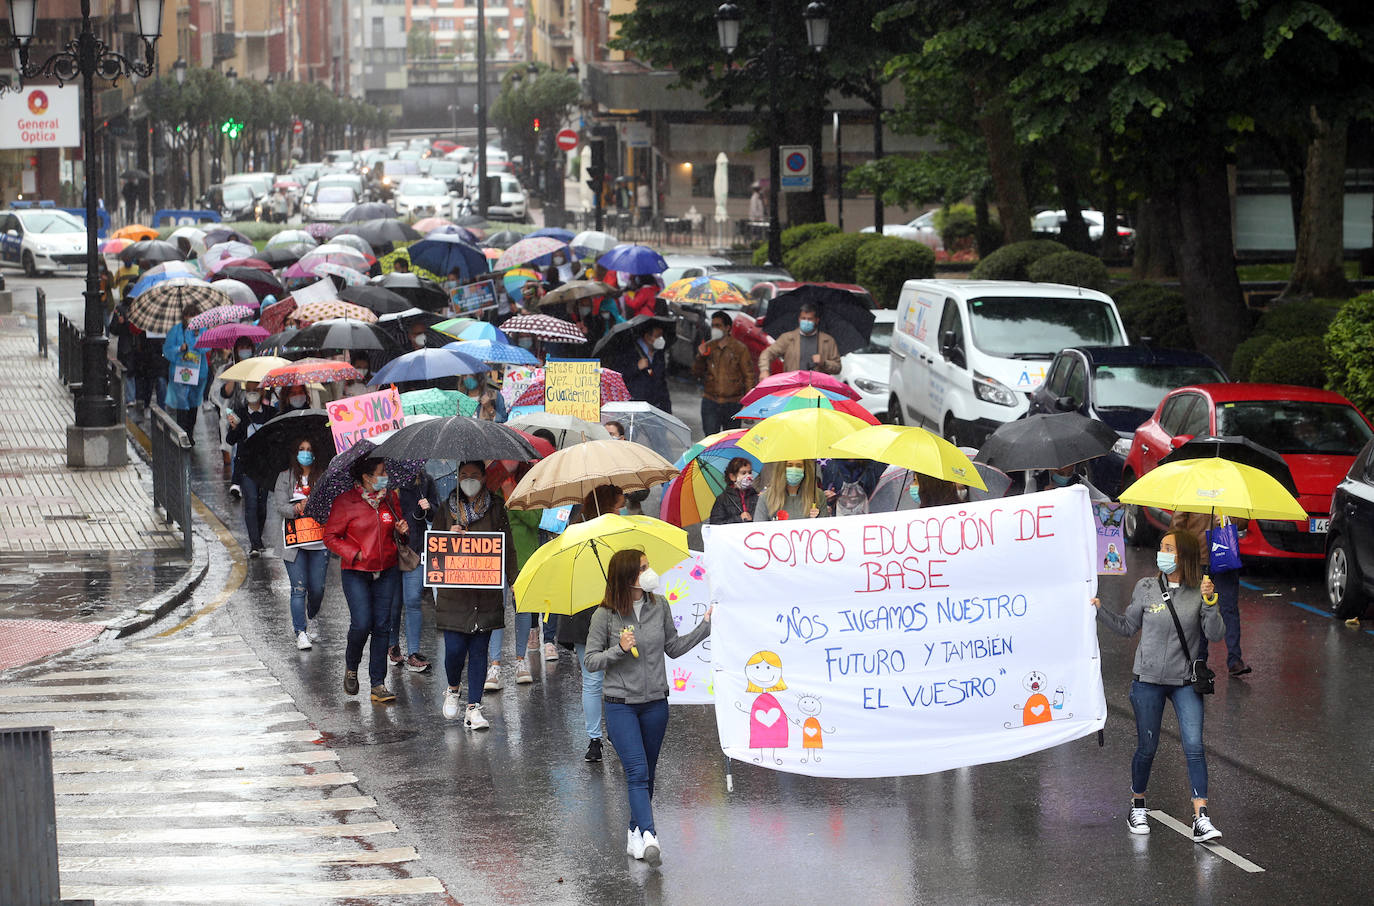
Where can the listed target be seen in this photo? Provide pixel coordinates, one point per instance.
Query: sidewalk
(80, 551)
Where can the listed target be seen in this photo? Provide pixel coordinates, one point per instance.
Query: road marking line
(237, 573)
(171, 721)
(74, 785)
(71, 743)
(222, 835)
(217, 809)
(257, 682)
(151, 674)
(235, 861)
(196, 640)
(1229, 855)
(154, 704)
(231, 763)
(250, 893)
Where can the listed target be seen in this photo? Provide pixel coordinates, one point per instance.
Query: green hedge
(1299, 360)
(958, 225)
(1349, 339)
(828, 259)
(1071, 268)
(793, 238)
(883, 265)
(1248, 353)
(1011, 261)
(1154, 311)
(1298, 318)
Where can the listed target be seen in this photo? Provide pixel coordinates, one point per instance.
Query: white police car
(43, 239)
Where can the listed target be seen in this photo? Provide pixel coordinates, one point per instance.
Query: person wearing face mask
(418, 339)
(416, 502)
(524, 526)
(926, 491)
(295, 397)
(615, 429)
(740, 498)
(791, 491)
(727, 371)
(361, 531)
(630, 633)
(467, 616)
(807, 348)
(491, 406)
(1163, 670)
(360, 361)
(189, 372)
(244, 421)
(306, 564)
(644, 299)
(1067, 476)
(645, 367)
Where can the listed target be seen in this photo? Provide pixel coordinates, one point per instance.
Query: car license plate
(1318, 526)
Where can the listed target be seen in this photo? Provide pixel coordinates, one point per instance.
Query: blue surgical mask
(305, 457)
(1167, 563)
(794, 475)
(470, 383)
(807, 325)
(1060, 480)
(915, 492)
(380, 483)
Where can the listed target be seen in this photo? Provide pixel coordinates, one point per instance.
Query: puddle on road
(84, 587)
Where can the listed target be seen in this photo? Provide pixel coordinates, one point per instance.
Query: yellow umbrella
(569, 475)
(253, 369)
(1214, 485)
(568, 574)
(799, 434)
(911, 448)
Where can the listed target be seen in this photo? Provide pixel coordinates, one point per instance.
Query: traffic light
(596, 170)
(231, 127)
(536, 124)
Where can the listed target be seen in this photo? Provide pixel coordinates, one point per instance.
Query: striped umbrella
(165, 271)
(544, 327)
(220, 314)
(791, 380)
(332, 308)
(515, 279)
(226, 335)
(528, 250)
(804, 398)
(613, 390)
(704, 291)
(454, 326)
(159, 309)
(311, 371)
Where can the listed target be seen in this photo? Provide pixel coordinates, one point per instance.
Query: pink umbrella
(321, 231)
(255, 263)
(226, 335)
(274, 316)
(795, 380)
(222, 314)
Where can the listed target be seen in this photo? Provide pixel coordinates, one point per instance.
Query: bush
(793, 238)
(958, 225)
(1298, 317)
(1072, 269)
(1010, 261)
(1154, 311)
(828, 259)
(882, 266)
(1299, 360)
(1350, 368)
(1249, 352)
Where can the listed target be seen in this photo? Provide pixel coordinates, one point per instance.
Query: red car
(1317, 432)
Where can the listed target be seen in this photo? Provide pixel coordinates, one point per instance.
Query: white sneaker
(452, 704)
(550, 651)
(634, 844)
(493, 683)
(1203, 829)
(1138, 822)
(652, 853)
(522, 671)
(302, 641)
(474, 720)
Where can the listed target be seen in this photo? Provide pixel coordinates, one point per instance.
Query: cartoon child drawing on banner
(767, 720)
(812, 735)
(1036, 709)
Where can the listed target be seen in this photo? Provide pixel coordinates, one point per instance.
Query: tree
(545, 96)
(420, 42)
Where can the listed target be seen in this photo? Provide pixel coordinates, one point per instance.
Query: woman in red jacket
(360, 530)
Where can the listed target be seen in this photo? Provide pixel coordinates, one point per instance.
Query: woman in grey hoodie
(630, 632)
(1163, 669)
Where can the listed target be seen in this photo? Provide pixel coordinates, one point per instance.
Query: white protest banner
(688, 594)
(906, 643)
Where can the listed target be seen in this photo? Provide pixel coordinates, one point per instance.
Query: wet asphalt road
(514, 815)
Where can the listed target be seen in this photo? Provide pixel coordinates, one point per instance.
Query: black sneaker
(255, 552)
(1138, 822)
(350, 682)
(1202, 827)
(1240, 668)
(593, 751)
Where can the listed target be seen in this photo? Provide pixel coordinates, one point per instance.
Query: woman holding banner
(791, 491)
(631, 632)
(306, 564)
(1171, 603)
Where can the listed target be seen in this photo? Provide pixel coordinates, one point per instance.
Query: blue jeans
(591, 693)
(1147, 699)
(551, 628)
(637, 731)
(410, 597)
(717, 416)
(523, 621)
(369, 617)
(1228, 602)
(472, 647)
(254, 510)
(306, 573)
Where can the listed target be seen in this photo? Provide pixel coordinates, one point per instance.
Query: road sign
(796, 168)
(566, 139)
(297, 127)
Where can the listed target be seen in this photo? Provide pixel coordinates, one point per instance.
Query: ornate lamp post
(97, 438)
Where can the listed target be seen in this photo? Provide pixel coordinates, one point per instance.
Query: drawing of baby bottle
(767, 720)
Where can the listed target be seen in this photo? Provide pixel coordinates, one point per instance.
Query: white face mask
(648, 580)
(298, 401)
(745, 481)
(659, 343)
(253, 397)
(418, 340)
(470, 486)
(717, 333)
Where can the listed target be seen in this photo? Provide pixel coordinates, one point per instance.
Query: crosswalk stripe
(236, 861)
(178, 660)
(1213, 847)
(227, 835)
(189, 724)
(179, 703)
(183, 688)
(118, 785)
(251, 893)
(231, 763)
(217, 809)
(82, 743)
(144, 674)
(193, 641)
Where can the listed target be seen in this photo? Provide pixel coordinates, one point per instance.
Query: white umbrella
(238, 291)
(722, 187)
(594, 241)
(192, 235)
(585, 191)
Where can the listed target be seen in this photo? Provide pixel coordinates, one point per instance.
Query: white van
(967, 354)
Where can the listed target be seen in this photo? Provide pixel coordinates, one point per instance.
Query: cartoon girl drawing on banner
(767, 721)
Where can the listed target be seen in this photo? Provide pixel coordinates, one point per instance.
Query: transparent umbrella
(649, 425)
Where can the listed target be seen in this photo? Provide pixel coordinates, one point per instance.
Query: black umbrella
(1046, 442)
(134, 174)
(375, 298)
(217, 235)
(457, 437)
(280, 256)
(372, 210)
(623, 334)
(416, 290)
(272, 447)
(378, 232)
(262, 283)
(470, 220)
(154, 250)
(343, 333)
(502, 240)
(398, 326)
(278, 343)
(1240, 450)
(842, 314)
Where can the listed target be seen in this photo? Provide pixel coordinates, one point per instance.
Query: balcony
(224, 46)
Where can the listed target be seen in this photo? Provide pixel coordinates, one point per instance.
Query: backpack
(851, 501)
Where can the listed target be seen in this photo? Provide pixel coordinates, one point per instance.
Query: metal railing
(42, 299)
(171, 471)
(69, 338)
(117, 373)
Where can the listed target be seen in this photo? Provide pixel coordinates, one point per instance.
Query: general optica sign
(41, 116)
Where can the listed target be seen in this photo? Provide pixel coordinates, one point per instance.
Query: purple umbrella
(337, 479)
(226, 335)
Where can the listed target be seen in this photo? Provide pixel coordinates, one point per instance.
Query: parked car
(921, 229)
(234, 201)
(447, 170)
(42, 240)
(330, 203)
(1350, 542)
(1049, 224)
(1318, 433)
(261, 183)
(866, 368)
(1121, 386)
(341, 156)
(420, 196)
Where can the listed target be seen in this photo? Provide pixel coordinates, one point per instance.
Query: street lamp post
(817, 19)
(97, 438)
(183, 166)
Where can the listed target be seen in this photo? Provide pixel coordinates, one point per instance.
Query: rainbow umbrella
(481, 330)
(804, 398)
(515, 279)
(454, 326)
(792, 380)
(704, 291)
(688, 498)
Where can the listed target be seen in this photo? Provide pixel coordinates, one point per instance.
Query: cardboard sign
(573, 387)
(301, 531)
(556, 520)
(1111, 541)
(471, 298)
(465, 560)
(355, 418)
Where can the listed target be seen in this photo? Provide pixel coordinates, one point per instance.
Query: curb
(155, 608)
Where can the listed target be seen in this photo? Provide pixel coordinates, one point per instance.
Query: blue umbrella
(441, 254)
(154, 277)
(462, 233)
(427, 365)
(484, 331)
(564, 236)
(633, 259)
(494, 352)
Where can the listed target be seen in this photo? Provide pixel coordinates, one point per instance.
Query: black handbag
(1200, 676)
